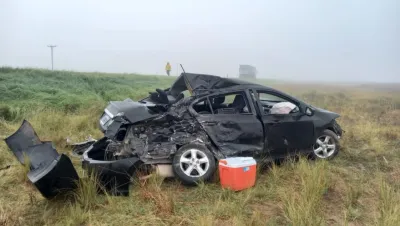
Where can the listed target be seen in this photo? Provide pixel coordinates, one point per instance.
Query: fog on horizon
(290, 40)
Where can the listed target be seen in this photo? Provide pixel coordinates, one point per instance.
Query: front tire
(193, 163)
(327, 145)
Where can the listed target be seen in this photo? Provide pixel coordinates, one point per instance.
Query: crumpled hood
(132, 110)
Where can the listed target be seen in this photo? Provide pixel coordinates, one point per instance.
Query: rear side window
(232, 103)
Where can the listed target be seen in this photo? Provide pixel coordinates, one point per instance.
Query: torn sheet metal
(202, 83)
(157, 138)
(116, 158)
(79, 148)
(50, 172)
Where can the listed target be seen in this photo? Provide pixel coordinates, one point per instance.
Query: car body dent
(234, 134)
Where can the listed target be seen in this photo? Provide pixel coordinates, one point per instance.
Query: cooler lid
(236, 162)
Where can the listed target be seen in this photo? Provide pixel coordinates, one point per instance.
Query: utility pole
(52, 46)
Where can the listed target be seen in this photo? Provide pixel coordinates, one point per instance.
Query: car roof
(199, 84)
(243, 87)
(246, 86)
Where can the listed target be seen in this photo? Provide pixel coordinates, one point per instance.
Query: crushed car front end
(140, 133)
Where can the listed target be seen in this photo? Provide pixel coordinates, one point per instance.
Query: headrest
(219, 100)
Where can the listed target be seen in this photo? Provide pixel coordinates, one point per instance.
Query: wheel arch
(334, 127)
(331, 129)
(203, 139)
(209, 145)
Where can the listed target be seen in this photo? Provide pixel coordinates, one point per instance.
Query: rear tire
(193, 163)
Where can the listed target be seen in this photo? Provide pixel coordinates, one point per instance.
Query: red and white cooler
(237, 173)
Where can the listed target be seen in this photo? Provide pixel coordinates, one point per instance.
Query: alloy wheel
(194, 163)
(324, 147)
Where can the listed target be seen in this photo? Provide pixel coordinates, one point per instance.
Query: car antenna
(182, 69)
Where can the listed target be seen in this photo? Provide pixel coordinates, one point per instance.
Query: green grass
(24, 90)
(359, 187)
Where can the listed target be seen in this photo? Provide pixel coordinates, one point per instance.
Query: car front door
(285, 133)
(232, 124)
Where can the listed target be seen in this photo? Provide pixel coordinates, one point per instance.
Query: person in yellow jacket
(168, 68)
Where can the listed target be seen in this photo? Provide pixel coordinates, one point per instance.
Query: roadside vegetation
(361, 186)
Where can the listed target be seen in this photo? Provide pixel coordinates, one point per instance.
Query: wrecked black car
(182, 131)
(183, 136)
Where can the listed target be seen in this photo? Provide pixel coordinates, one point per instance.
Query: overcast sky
(342, 40)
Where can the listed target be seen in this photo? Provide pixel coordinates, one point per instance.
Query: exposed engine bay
(152, 141)
(157, 139)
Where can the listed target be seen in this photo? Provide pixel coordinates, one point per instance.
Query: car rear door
(232, 124)
(284, 133)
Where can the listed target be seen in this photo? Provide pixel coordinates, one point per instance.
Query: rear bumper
(50, 172)
(57, 178)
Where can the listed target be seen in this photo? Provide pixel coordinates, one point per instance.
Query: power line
(52, 46)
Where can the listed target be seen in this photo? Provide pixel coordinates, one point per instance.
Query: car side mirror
(309, 112)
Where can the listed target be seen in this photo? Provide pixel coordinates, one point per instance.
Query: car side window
(274, 104)
(270, 97)
(231, 103)
(202, 107)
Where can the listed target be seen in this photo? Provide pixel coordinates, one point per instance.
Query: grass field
(361, 186)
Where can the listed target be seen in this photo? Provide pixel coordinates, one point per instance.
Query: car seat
(238, 103)
(218, 103)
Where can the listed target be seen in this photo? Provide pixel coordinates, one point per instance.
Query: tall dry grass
(359, 187)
